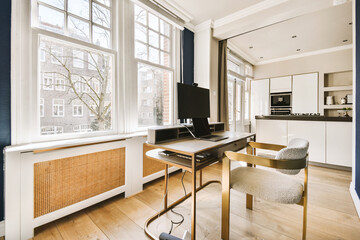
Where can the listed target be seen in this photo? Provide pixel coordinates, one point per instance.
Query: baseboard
(2, 228)
(355, 198)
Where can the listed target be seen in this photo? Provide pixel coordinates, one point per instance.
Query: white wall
(322, 63)
(206, 64)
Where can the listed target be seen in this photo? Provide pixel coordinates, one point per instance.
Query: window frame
(174, 49)
(57, 105)
(77, 107)
(35, 20)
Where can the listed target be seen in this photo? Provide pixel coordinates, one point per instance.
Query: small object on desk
(167, 153)
(199, 157)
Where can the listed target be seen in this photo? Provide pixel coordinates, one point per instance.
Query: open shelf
(338, 88)
(338, 106)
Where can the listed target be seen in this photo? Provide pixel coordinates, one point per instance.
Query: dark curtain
(223, 89)
(187, 57)
(5, 113)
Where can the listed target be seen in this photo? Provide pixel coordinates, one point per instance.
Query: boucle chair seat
(267, 185)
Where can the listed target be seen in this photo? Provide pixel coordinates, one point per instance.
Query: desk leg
(166, 186)
(193, 200)
(201, 180)
(225, 214)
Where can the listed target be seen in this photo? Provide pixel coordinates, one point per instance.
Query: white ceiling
(203, 10)
(319, 30)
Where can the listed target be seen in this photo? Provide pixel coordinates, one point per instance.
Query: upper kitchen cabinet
(280, 84)
(260, 100)
(305, 93)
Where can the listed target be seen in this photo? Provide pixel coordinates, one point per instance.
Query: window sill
(23, 148)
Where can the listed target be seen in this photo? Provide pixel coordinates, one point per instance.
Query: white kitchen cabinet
(272, 131)
(314, 132)
(280, 84)
(259, 100)
(339, 143)
(305, 93)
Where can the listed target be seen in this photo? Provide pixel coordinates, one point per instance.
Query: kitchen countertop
(304, 118)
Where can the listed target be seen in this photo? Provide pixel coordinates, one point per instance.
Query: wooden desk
(193, 147)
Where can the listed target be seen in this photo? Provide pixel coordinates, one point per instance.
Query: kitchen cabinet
(260, 100)
(272, 131)
(314, 132)
(339, 143)
(305, 93)
(280, 84)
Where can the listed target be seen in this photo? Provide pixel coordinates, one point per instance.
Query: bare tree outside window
(88, 85)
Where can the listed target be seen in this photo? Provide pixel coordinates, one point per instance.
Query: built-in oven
(280, 100)
(281, 111)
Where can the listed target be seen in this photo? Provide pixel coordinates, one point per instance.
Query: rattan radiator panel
(150, 166)
(62, 182)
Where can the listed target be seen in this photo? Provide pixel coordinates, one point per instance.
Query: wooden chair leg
(249, 201)
(305, 203)
(225, 215)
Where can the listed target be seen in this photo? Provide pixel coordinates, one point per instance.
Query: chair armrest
(267, 146)
(268, 162)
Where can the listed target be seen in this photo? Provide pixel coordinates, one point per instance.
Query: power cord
(192, 134)
(182, 217)
(166, 193)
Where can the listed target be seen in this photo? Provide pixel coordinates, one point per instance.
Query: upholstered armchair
(269, 185)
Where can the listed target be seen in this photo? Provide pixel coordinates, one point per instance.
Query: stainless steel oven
(281, 111)
(280, 100)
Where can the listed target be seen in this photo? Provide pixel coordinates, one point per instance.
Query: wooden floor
(331, 213)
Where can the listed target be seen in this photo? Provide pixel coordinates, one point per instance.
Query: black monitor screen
(193, 102)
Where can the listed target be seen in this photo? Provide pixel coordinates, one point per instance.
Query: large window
(155, 73)
(239, 76)
(75, 78)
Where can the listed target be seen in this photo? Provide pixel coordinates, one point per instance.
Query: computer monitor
(193, 102)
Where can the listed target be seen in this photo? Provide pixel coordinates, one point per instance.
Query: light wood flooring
(331, 213)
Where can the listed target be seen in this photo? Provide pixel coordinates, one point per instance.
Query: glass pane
(79, 8)
(101, 15)
(140, 33)
(153, 96)
(101, 37)
(105, 2)
(165, 59)
(140, 15)
(153, 55)
(246, 115)
(164, 43)
(55, 3)
(153, 22)
(231, 100)
(67, 89)
(238, 101)
(153, 39)
(51, 19)
(78, 29)
(141, 51)
(164, 27)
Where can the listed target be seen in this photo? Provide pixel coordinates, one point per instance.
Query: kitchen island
(330, 138)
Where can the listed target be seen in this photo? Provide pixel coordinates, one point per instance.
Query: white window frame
(45, 84)
(53, 130)
(58, 105)
(77, 107)
(35, 21)
(174, 68)
(59, 83)
(58, 53)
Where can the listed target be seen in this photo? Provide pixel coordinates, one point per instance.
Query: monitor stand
(202, 130)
